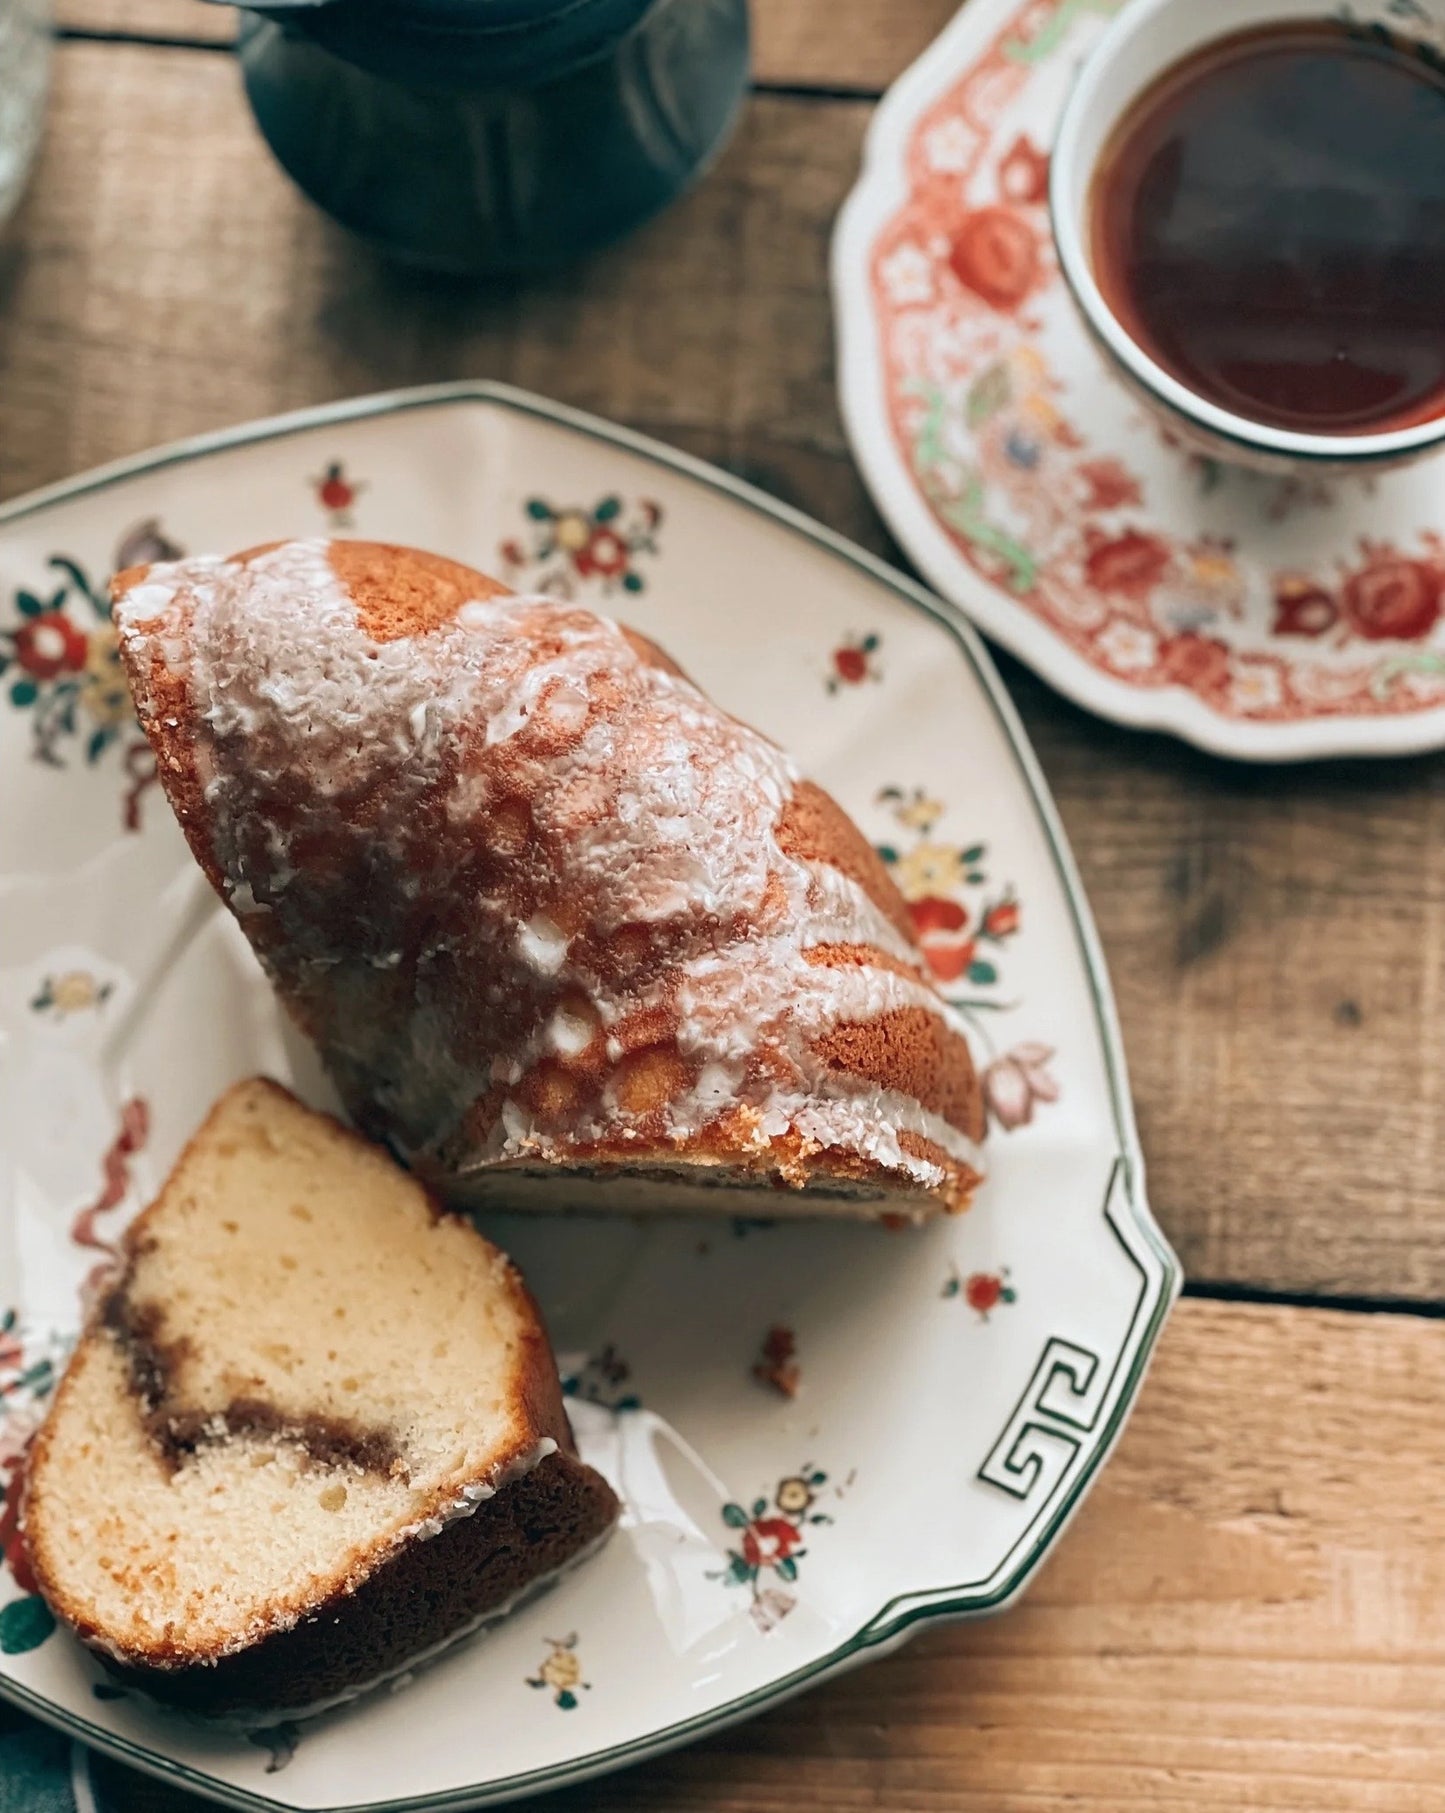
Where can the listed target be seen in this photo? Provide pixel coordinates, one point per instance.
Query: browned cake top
(531, 891)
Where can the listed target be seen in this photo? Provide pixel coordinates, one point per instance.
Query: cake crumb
(778, 1365)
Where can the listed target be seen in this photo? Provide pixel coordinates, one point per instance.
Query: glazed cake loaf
(548, 912)
(314, 1432)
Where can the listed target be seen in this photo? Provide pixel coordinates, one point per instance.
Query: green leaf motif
(738, 1570)
(607, 509)
(24, 1624)
(988, 393)
(974, 854)
(28, 604)
(95, 748)
(760, 1505)
(734, 1516)
(23, 693)
(817, 1477)
(539, 510)
(566, 1699)
(887, 852)
(980, 971)
(632, 582)
(787, 1570)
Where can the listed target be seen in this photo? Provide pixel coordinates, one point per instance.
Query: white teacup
(1147, 38)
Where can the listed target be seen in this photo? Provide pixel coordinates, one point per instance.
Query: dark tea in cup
(1267, 221)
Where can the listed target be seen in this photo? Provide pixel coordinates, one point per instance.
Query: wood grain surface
(1277, 936)
(1250, 1611)
(854, 44)
(1248, 1614)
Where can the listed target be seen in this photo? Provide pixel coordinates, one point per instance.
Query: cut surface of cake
(546, 910)
(314, 1431)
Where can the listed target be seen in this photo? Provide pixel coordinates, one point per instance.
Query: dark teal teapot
(493, 135)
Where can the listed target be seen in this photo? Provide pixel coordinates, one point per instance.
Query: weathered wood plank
(1249, 1612)
(853, 44)
(1277, 936)
(191, 21)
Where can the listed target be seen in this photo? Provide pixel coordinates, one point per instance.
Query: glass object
(494, 135)
(24, 76)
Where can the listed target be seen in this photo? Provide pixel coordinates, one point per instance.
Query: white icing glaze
(646, 807)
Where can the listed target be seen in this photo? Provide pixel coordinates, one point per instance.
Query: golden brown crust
(815, 828)
(400, 592)
(534, 1390)
(422, 1595)
(911, 1050)
(403, 591)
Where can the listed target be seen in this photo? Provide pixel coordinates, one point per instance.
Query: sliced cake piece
(314, 1431)
(566, 933)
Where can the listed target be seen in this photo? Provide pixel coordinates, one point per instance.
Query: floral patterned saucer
(775, 1403)
(1265, 618)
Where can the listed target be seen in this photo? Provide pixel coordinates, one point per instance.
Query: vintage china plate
(957, 1387)
(1269, 619)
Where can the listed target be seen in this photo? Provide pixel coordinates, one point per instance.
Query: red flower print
(935, 914)
(1301, 607)
(1198, 662)
(1023, 175)
(769, 1540)
(996, 255)
(337, 493)
(1392, 599)
(605, 553)
(941, 927)
(1002, 921)
(1130, 564)
(1108, 485)
(49, 645)
(12, 1542)
(983, 1291)
(852, 662)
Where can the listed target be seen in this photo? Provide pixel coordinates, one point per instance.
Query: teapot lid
(498, 43)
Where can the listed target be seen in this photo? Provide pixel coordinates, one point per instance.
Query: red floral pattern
(962, 931)
(853, 662)
(981, 1291)
(1061, 494)
(567, 545)
(770, 1543)
(60, 663)
(337, 491)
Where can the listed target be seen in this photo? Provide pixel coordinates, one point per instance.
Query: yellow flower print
(920, 813)
(793, 1495)
(930, 868)
(104, 694)
(561, 1672)
(572, 531)
(72, 993)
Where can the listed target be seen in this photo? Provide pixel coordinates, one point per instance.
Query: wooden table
(1250, 1611)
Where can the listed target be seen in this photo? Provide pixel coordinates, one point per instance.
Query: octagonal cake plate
(823, 1435)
